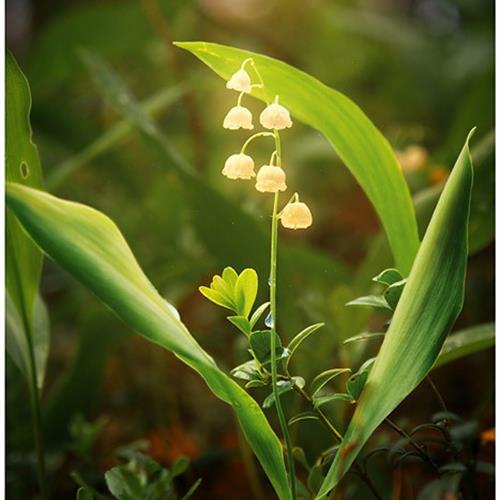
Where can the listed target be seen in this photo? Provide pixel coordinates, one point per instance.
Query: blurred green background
(422, 70)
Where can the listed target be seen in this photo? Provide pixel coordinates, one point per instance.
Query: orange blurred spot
(488, 436)
(438, 174)
(166, 445)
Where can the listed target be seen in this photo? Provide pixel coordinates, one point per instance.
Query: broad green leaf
(300, 337)
(466, 342)
(429, 305)
(354, 137)
(23, 262)
(377, 301)
(323, 378)
(89, 246)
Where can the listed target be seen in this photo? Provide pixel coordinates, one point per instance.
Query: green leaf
(377, 301)
(323, 378)
(230, 276)
(339, 396)
(429, 305)
(364, 336)
(388, 277)
(356, 383)
(84, 494)
(393, 293)
(299, 338)
(260, 343)
(16, 340)
(357, 141)
(283, 387)
(241, 323)
(23, 262)
(216, 297)
(89, 246)
(315, 478)
(466, 342)
(124, 484)
(192, 490)
(306, 415)
(245, 291)
(258, 313)
(246, 371)
(180, 466)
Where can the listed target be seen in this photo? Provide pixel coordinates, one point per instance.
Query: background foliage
(421, 70)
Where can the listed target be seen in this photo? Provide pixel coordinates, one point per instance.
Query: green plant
(425, 294)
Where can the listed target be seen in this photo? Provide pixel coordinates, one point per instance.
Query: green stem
(36, 415)
(254, 136)
(272, 299)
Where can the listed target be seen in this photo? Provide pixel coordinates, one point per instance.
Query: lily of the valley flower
(275, 116)
(238, 117)
(270, 179)
(240, 81)
(239, 166)
(296, 215)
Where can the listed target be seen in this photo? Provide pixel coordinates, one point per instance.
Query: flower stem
(272, 299)
(254, 136)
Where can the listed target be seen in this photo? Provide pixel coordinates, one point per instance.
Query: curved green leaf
(465, 342)
(354, 137)
(429, 305)
(89, 246)
(27, 320)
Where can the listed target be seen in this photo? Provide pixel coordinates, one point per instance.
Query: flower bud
(238, 117)
(270, 179)
(275, 116)
(296, 215)
(239, 166)
(240, 81)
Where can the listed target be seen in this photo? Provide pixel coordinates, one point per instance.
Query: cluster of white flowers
(270, 178)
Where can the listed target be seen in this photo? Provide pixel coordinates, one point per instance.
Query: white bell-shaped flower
(270, 179)
(239, 166)
(296, 215)
(240, 81)
(238, 117)
(275, 116)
